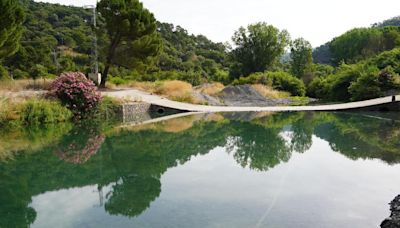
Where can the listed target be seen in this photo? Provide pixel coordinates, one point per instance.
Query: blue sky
(318, 21)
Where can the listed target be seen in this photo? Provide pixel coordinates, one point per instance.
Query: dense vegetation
(11, 19)
(360, 64)
(371, 78)
(58, 38)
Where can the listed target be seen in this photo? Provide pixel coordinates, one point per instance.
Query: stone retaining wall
(135, 112)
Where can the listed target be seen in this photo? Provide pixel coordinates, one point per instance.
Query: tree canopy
(361, 43)
(11, 19)
(131, 31)
(258, 48)
(301, 57)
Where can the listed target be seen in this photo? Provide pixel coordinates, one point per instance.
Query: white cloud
(315, 20)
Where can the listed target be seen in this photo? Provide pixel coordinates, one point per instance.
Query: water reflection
(80, 144)
(132, 160)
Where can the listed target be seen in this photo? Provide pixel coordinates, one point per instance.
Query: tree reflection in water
(133, 160)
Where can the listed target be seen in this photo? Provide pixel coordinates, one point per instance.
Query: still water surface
(215, 170)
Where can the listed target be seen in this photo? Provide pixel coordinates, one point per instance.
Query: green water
(216, 170)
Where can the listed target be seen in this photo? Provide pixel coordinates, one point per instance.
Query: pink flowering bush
(76, 92)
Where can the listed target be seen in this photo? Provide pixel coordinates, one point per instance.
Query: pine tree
(132, 33)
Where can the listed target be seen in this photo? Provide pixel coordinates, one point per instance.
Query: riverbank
(394, 220)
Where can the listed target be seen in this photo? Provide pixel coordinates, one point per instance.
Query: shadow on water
(132, 160)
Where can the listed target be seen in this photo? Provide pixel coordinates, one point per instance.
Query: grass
(32, 112)
(7, 111)
(175, 90)
(42, 111)
(108, 108)
(24, 84)
(299, 101)
(210, 88)
(269, 92)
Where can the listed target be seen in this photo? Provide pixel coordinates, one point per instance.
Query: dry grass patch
(25, 84)
(8, 111)
(269, 92)
(175, 90)
(149, 87)
(210, 88)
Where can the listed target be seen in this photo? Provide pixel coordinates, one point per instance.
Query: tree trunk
(104, 76)
(110, 56)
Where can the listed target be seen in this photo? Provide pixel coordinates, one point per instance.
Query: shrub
(340, 82)
(108, 108)
(367, 79)
(37, 112)
(117, 81)
(278, 80)
(366, 87)
(287, 82)
(256, 78)
(387, 58)
(76, 92)
(19, 74)
(388, 79)
(318, 88)
(4, 73)
(38, 71)
(373, 83)
(322, 70)
(192, 77)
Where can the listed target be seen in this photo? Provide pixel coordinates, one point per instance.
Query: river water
(209, 170)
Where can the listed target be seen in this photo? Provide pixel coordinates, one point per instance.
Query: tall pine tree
(132, 33)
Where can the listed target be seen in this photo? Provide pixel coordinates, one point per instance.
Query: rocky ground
(241, 95)
(394, 220)
(246, 95)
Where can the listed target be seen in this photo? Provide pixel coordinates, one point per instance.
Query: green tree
(11, 18)
(132, 34)
(301, 57)
(259, 47)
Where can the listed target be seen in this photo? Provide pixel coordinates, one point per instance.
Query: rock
(394, 220)
(246, 95)
(207, 99)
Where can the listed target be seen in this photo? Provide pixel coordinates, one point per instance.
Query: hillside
(59, 38)
(360, 43)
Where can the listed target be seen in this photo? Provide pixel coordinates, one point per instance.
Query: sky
(317, 21)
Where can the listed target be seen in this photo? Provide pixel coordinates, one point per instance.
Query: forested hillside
(360, 43)
(59, 38)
